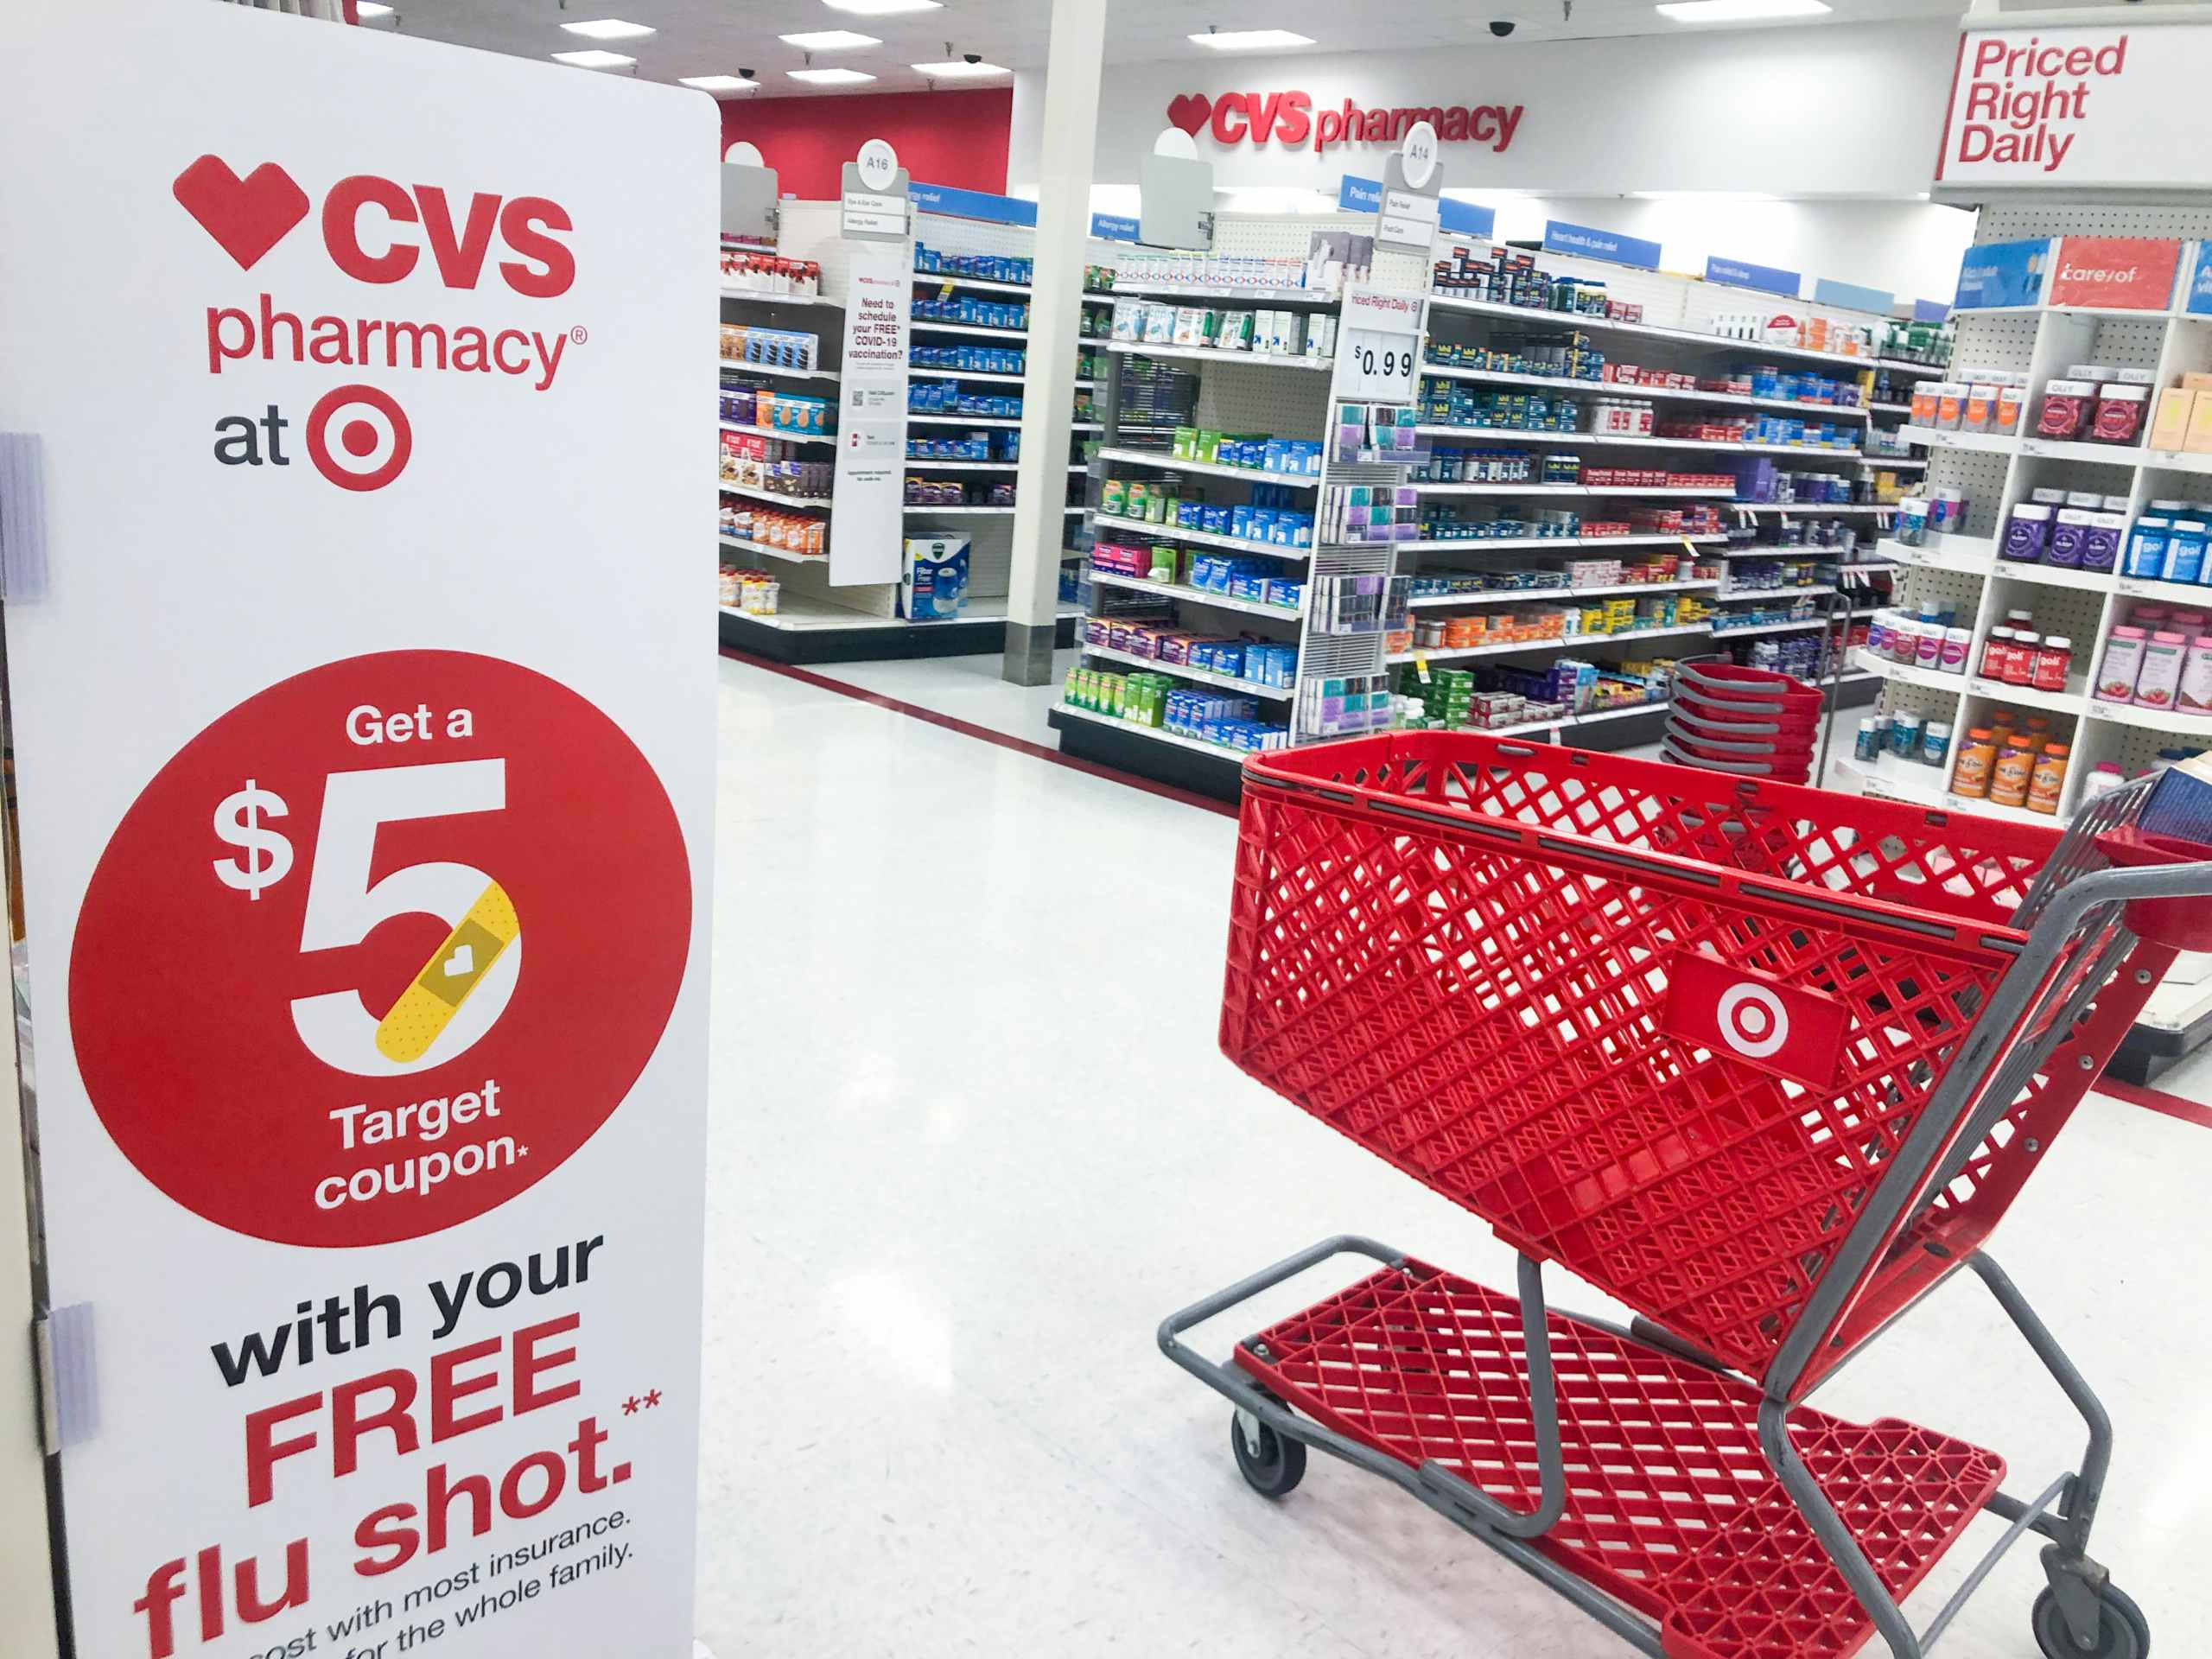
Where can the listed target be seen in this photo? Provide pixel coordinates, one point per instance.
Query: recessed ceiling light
(883, 8)
(828, 39)
(719, 83)
(609, 29)
(959, 69)
(830, 77)
(593, 59)
(1740, 11)
(371, 8)
(1255, 40)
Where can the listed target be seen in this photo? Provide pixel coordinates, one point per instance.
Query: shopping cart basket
(1765, 1064)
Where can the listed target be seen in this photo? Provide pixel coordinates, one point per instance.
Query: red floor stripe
(2156, 1100)
(969, 728)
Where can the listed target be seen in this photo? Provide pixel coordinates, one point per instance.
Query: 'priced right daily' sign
(2108, 105)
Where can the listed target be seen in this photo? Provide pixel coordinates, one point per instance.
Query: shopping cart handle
(1244, 1289)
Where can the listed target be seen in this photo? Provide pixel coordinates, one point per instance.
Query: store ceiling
(711, 37)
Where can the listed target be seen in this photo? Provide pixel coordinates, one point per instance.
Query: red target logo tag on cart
(1756, 1018)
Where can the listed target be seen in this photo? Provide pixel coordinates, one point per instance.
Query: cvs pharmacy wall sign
(2069, 107)
(1289, 118)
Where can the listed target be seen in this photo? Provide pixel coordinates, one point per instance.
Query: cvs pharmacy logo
(364, 224)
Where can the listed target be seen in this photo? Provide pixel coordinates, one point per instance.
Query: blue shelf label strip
(971, 204)
(1109, 227)
(1741, 273)
(2200, 283)
(1852, 297)
(2003, 273)
(1592, 243)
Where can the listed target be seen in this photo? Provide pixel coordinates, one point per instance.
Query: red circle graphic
(328, 408)
(186, 985)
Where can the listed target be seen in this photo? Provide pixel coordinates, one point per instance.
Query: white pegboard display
(1979, 477)
(1235, 397)
(2004, 343)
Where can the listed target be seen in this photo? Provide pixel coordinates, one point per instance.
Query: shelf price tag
(1378, 347)
(1420, 665)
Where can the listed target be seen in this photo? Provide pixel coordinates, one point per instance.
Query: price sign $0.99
(1377, 365)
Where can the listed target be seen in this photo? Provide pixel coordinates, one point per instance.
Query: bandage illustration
(427, 1006)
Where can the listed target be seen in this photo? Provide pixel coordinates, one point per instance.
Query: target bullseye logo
(1753, 1022)
(1737, 1012)
(373, 439)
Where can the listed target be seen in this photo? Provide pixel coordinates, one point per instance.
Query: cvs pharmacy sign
(1290, 118)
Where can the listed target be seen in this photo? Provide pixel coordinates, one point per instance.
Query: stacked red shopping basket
(1750, 721)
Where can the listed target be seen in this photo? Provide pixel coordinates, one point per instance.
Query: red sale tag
(2134, 273)
(1754, 1017)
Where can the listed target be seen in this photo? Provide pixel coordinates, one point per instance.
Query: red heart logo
(249, 215)
(1190, 111)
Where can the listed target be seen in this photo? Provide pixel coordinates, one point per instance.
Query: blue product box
(2181, 805)
(1272, 457)
(933, 583)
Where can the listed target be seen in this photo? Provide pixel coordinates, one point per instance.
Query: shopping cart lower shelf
(1671, 1508)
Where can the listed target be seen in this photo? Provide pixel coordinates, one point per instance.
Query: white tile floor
(972, 1139)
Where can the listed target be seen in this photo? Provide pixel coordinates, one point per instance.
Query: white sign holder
(867, 530)
(374, 1253)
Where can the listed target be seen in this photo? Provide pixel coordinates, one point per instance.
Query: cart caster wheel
(1272, 1464)
(2122, 1631)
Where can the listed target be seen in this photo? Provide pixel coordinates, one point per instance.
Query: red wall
(958, 139)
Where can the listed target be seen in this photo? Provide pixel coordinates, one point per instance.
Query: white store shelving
(1216, 354)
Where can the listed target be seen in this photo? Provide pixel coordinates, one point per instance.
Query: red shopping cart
(1764, 1063)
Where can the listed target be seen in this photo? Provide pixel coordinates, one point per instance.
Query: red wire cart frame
(1761, 1062)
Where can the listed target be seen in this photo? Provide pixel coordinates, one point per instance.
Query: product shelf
(2027, 696)
(782, 299)
(1719, 493)
(2055, 575)
(767, 552)
(937, 464)
(1196, 595)
(1166, 462)
(779, 434)
(820, 503)
(1158, 733)
(1893, 463)
(2176, 460)
(1817, 509)
(1201, 538)
(1907, 673)
(2149, 719)
(1902, 780)
(922, 326)
(915, 418)
(731, 365)
(1608, 440)
(916, 372)
(964, 511)
(1521, 595)
(1321, 299)
(1890, 408)
(1215, 354)
(1743, 594)
(1751, 632)
(1507, 544)
(1651, 394)
(1840, 363)
(2185, 593)
(1203, 676)
(1564, 642)
(1969, 555)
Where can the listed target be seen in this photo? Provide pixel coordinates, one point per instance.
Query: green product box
(1114, 499)
(1185, 444)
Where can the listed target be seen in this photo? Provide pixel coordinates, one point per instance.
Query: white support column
(1040, 528)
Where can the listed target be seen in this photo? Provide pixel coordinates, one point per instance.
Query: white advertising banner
(866, 534)
(365, 807)
(2110, 106)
